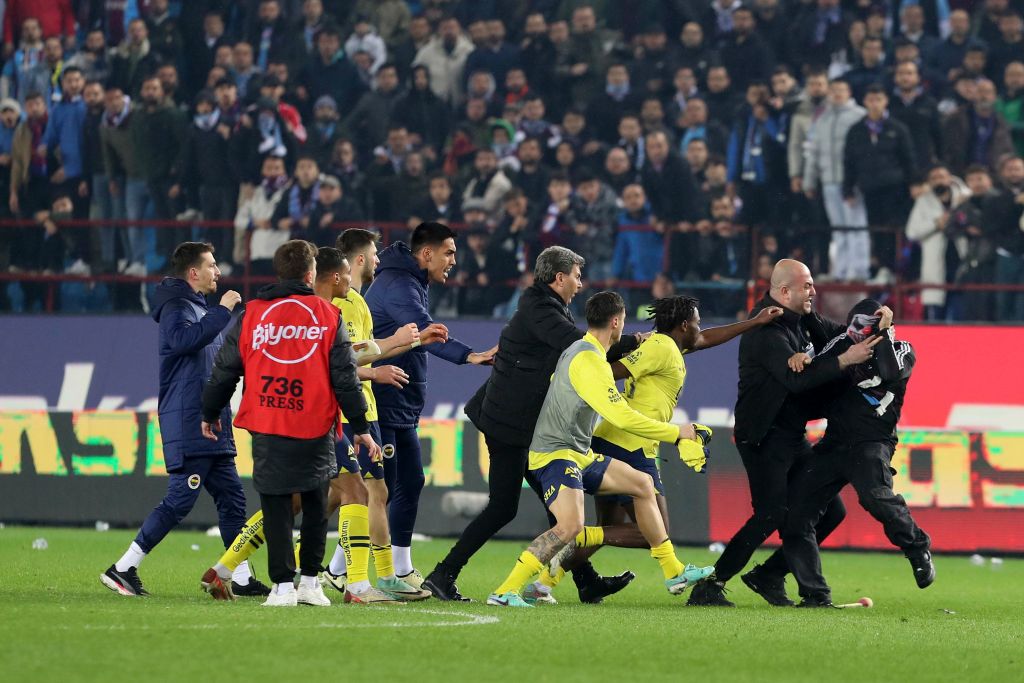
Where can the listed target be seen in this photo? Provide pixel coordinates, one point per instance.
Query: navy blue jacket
(398, 296)
(191, 333)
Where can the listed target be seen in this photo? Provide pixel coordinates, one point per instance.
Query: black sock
(585, 574)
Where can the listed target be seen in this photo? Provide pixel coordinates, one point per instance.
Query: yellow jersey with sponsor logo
(657, 374)
(355, 316)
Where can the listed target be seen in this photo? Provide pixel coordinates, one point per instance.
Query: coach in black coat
(506, 407)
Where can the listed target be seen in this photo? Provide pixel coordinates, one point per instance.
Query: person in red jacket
(298, 366)
(55, 16)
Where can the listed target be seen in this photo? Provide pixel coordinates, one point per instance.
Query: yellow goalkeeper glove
(695, 452)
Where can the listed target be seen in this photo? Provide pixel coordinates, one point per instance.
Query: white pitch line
(469, 620)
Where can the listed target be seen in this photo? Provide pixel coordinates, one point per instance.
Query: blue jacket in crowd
(398, 296)
(191, 333)
(64, 131)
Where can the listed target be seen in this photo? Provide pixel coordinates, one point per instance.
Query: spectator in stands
(824, 172)
(976, 134)
(1002, 222)
(44, 77)
(329, 72)
(445, 58)
(516, 87)
(370, 118)
(813, 104)
(753, 144)
(639, 250)
(928, 226)
(585, 56)
(423, 113)
(1008, 48)
(685, 83)
(391, 17)
(919, 112)
(696, 126)
(488, 182)
(312, 21)
(743, 53)
(244, 68)
(403, 52)
(344, 164)
(255, 215)
(912, 29)
(207, 175)
(127, 189)
(202, 47)
(93, 58)
(56, 18)
(978, 263)
(134, 61)
(22, 61)
(870, 70)
(618, 172)
(325, 131)
(1010, 105)
(158, 135)
(30, 169)
(533, 123)
(532, 176)
(721, 98)
(820, 33)
(591, 218)
(607, 108)
(273, 39)
(668, 183)
(879, 161)
(440, 205)
(164, 36)
(537, 53)
(364, 38)
(332, 207)
(474, 269)
(551, 224)
(292, 213)
(631, 140)
(168, 75)
(102, 256)
(948, 55)
(495, 55)
(273, 88)
(692, 52)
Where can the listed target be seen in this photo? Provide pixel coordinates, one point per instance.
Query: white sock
(223, 572)
(308, 581)
(359, 586)
(403, 559)
(541, 588)
(337, 565)
(242, 574)
(132, 558)
(284, 588)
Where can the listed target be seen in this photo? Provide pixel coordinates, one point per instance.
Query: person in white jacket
(927, 226)
(850, 251)
(364, 38)
(445, 58)
(255, 212)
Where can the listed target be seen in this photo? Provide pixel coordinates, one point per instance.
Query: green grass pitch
(60, 624)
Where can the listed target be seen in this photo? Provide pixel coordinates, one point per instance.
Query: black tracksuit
(857, 449)
(772, 411)
(506, 407)
(283, 466)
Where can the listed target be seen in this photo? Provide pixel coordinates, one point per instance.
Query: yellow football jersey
(657, 374)
(355, 315)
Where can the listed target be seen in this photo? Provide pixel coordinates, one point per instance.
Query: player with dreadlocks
(654, 374)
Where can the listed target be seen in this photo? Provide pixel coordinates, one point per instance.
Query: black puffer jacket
(769, 392)
(282, 465)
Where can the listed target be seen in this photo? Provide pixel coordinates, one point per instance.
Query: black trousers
(505, 482)
(866, 467)
(278, 523)
(770, 467)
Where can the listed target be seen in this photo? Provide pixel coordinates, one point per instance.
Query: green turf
(59, 623)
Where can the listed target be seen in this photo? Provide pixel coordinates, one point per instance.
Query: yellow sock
(248, 541)
(526, 566)
(551, 581)
(665, 554)
(354, 529)
(298, 547)
(590, 537)
(383, 561)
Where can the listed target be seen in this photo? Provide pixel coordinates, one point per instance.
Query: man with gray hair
(506, 407)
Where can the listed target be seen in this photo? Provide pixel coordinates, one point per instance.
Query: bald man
(772, 411)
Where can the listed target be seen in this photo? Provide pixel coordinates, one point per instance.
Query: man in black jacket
(297, 375)
(772, 411)
(505, 410)
(857, 449)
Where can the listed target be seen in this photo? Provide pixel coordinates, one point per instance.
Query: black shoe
(924, 568)
(709, 593)
(593, 592)
(816, 602)
(442, 585)
(126, 583)
(771, 588)
(254, 589)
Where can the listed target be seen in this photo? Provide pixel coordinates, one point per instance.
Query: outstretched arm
(715, 336)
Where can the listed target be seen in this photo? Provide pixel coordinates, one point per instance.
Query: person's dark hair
(555, 260)
(871, 39)
(388, 65)
(977, 168)
(586, 175)
(70, 70)
(294, 259)
(306, 156)
(95, 81)
(602, 307)
(429, 234)
(34, 95)
(816, 72)
(875, 89)
(513, 194)
(863, 307)
(328, 260)
(330, 31)
(439, 175)
(188, 255)
(558, 176)
(935, 167)
(671, 312)
(354, 240)
(782, 69)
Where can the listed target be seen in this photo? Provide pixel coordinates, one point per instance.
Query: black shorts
(361, 462)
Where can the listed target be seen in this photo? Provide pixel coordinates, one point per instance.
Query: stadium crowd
(595, 124)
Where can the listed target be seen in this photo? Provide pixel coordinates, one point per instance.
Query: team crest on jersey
(573, 471)
(389, 450)
(194, 481)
